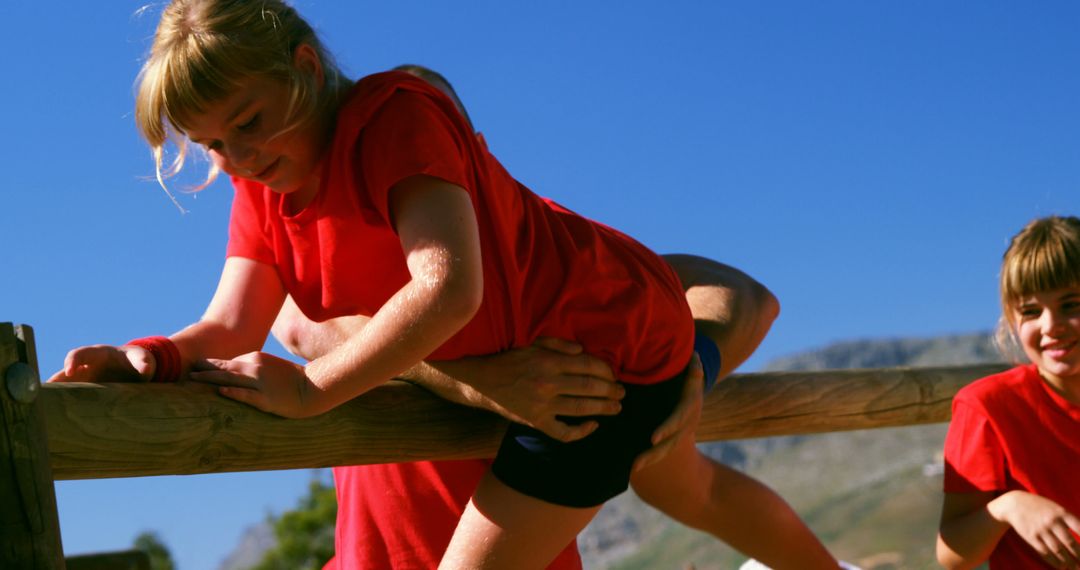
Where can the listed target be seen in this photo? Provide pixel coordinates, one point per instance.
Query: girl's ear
(307, 60)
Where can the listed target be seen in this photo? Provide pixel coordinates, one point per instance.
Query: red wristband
(166, 357)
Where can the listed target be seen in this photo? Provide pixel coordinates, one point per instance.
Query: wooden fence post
(29, 525)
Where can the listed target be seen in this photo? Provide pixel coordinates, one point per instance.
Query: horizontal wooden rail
(792, 403)
(125, 560)
(134, 430)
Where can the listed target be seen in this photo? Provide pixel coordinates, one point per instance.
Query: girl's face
(1048, 327)
(245, 135)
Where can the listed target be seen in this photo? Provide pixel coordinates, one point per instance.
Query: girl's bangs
(194, 78)
(1050, 263)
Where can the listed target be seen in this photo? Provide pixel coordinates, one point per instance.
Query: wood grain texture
(133, 430)
(29, 524)
(791, 403)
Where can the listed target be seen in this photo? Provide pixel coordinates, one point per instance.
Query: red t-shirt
(403, 515)
(1011, 431)
(547, 272)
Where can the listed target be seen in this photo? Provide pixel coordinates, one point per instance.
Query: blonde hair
(1044, 256)
(203, 49)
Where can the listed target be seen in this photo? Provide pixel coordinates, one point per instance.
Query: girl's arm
(967, 533)
(440, 238)
(972, 524)
(736, 312)
(441, 241)
(536, 385)
(237, 321)
(533, 385)
(729, 306)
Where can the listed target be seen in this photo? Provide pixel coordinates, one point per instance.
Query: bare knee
(681, 486)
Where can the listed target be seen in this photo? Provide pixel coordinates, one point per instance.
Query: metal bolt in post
(22, 382)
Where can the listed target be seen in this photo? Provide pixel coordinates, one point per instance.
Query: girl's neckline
(308, 195)
(1061, 400)
(308, 211)
(294, 213)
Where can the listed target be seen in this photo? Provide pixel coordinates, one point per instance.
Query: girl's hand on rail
(104, 363)
(260, 380)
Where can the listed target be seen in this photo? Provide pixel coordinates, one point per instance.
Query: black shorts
(591, 470)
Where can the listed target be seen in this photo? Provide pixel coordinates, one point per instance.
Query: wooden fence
(135, 430)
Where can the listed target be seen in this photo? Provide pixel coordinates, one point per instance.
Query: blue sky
(867, 160)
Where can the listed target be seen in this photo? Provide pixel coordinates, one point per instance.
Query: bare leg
(733, 507)
(502, 528)
(729, 306)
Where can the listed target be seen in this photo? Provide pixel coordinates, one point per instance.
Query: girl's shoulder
(394, 97)
(369, 93)
(1001, 387)
(1018, 392)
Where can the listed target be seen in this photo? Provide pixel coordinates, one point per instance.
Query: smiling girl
(1012, 454)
